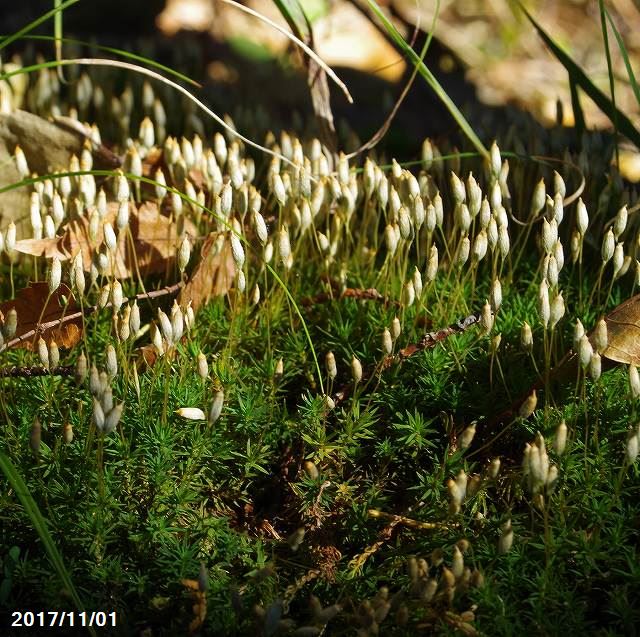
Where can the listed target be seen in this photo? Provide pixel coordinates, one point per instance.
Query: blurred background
(486, 54)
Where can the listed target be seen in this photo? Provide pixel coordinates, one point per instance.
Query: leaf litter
(41, 313)
(155, 241)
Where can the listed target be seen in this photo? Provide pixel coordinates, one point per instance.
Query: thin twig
(408, 522)
(310, 52)
(369, 294)
(34, 371)
(43, 327)
(429, 340)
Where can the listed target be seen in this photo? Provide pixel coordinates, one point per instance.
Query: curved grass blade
(625, 126)
(7, 40)
(625, 57)
(284, 287)
(430, 78)
(384, 128)
(144, 71)
(295, 22)
(298, 42)
(126, 54)
(40, 526)
(612, 84)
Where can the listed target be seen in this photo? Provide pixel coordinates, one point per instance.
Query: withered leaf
(623, 331)
(152, 161)
(34, 309)
(47, 248)
(155, 241)
(190, 584)
(147, 357)
(214, 273)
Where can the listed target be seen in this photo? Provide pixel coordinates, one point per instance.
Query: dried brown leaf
(214, 274)
(34, 308)
(47, 248)
(147, 357)
(191, 584)
(623, 331)
(152, 161)
(155, 241)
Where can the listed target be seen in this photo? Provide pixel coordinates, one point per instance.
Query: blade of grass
(299, 42)
(294, 22)
(625, 126)
(144, 71)
(382, 131)
(7, 40)
(57, 34)
(612, 84)
(40, 526)
(283, 285)
(625, 57)
(430, 78)
(121, 52)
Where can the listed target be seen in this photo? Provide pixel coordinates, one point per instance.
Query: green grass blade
(126, 54)
(149, 73)
(581, 79)
(284, 287)
(40, 525)
(294, 22)
(612, 84)
(57, 33)
(429, 78)
(6, 41)
(625, 57)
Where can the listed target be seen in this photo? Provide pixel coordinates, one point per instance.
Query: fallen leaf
(155, 239)
(34, 307)
(214, 273)
(47, 248)
(191, 584)
(152, 161)
(147, 357)
(623, 333)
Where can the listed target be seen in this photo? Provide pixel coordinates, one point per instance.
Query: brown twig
(408, 522)
(34, 371)
(43, 327)
(429, 340)
(369, 294)
(384, 128)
